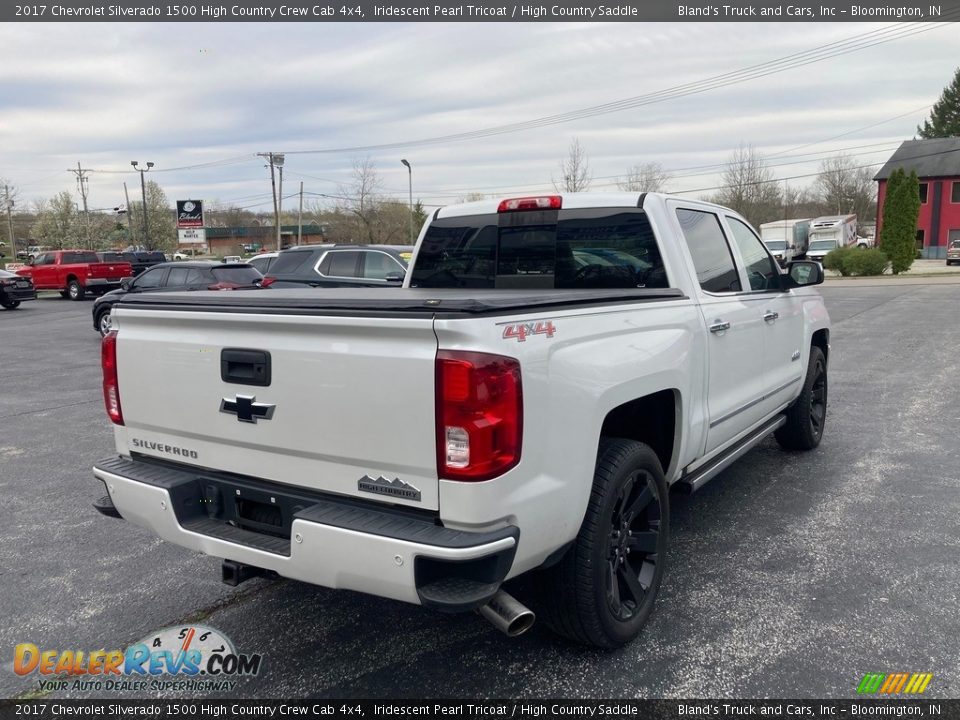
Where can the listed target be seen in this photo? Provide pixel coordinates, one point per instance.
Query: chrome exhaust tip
(507, 614)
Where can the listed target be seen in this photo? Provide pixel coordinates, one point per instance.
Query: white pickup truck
(551, 366)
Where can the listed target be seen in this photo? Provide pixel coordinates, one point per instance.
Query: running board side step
(689, 484)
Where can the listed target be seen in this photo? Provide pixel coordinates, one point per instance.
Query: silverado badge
(395, 488)
(247, 409)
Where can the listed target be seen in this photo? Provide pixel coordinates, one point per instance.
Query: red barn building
(937, 164)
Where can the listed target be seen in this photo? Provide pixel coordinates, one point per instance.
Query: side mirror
(802, 273)
(394, 277)
(126, 283)
(30, 260)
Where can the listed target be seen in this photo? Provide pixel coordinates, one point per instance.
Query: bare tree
(471, 197)
(574, 170)
(645, 177)
(749, 187)
(843, 188)
(360, 200)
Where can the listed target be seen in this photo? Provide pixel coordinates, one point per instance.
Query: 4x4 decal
(520, 331)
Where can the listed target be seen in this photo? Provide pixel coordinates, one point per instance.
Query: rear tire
(603, 589)
(104, 324)
(808, 414)
(75, 290)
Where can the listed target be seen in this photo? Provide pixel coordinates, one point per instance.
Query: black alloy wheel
(632, 547)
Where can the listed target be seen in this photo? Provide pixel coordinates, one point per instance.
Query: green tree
(161, 226)
(945, 117)
(419, 218)
(59, 224)
(900, 212)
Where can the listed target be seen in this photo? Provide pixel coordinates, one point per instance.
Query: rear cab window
(574, 248)
(83, 258)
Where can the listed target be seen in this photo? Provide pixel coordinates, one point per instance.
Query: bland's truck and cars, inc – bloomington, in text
(551, 366)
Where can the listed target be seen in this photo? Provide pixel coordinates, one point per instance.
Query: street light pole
(143, 190)
(410, 185)
(279, 160)
(9, 203)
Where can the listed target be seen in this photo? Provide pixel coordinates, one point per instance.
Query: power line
(807, 175)
(788, 62)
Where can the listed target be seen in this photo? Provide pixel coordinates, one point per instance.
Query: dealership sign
(189, 214)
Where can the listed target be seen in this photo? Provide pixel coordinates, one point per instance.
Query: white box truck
(787, 240)
(833, 231)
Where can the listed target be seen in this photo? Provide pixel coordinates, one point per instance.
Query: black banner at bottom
(383, 709)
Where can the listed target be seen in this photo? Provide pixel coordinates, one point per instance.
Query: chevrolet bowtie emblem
(247, 409)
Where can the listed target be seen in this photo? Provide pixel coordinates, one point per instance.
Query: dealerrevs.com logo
(189, 658)
(894, 683)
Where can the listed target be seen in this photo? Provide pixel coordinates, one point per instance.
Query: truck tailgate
(352, 398)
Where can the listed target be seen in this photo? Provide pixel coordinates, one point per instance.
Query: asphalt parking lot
(790, 575)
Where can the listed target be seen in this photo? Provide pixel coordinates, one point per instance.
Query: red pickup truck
(75, 273)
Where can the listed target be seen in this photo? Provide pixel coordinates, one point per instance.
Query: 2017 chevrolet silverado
(550, 368)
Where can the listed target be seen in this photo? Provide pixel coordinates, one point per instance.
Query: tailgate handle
(245, 367)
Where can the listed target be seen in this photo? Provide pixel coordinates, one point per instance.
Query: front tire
(603, 589)
(75, 290)
(808, 414)
(10, 304)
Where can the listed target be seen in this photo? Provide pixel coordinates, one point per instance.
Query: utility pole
(126, 196)
(410, 179)
(300, 217)
(83, 186)
(143, 190)
(9, 203)
(276, 160)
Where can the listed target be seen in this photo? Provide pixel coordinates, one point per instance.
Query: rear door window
(716, 270)
(340, 263)
(177, 277)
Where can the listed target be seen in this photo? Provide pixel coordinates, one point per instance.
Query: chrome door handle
(770, 316)
(719, 326)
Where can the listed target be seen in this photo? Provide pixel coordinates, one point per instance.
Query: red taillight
(479, 414)
(223, 286)
(111, 390)
(544, 202)
(267, 281)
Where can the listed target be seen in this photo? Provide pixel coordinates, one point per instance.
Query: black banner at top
(312, 11)
(214, 709)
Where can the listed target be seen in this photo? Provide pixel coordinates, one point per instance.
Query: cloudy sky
(200, 100)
